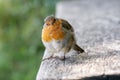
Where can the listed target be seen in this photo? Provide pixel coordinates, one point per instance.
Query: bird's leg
(51, 57)
(48, 58)
(61, 55)
(61, 58)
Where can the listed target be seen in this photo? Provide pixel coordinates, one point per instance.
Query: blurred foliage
(21, 48)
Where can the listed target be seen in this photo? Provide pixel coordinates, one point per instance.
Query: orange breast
(53, 32)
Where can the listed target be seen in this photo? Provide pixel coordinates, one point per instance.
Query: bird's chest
(53, 37)
(52, 32)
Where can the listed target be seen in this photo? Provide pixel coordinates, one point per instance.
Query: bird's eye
(47, 24)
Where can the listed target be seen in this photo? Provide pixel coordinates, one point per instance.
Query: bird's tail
(77, 48)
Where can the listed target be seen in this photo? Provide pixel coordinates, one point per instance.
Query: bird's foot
(51, 57)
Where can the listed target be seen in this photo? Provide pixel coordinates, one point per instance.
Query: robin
(58, 37)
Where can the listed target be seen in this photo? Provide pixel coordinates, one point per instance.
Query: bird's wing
(66, 25)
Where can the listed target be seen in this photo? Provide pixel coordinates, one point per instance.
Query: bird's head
(49, 20)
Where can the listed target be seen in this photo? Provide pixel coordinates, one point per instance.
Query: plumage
(58, 36)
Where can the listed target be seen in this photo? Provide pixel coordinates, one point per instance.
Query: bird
(58, 37)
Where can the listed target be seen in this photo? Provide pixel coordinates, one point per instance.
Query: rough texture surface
(97, 28)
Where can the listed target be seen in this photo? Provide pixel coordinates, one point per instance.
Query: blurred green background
(21, 49)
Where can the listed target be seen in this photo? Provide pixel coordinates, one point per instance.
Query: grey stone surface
(97, 29)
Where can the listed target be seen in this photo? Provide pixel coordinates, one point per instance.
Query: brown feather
(66, 25)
